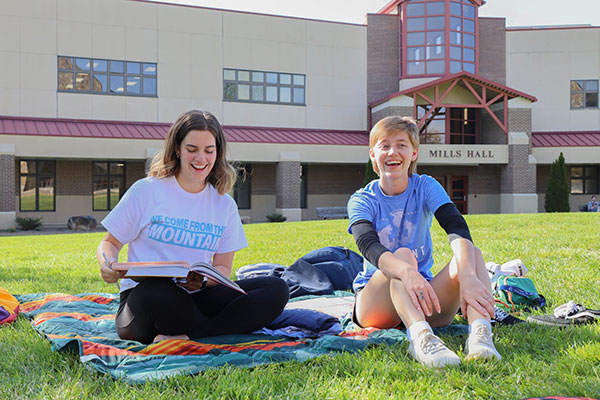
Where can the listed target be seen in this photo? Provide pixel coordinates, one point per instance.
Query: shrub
(369, 173)
(29, 223)
(276, 217)
(557, 191)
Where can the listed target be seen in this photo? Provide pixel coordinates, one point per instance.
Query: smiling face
(392, 155)
(197, 156)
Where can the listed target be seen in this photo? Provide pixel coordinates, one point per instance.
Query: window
(449, 125)
(108, 184)
(463, 126)
(113, 77)
(584, 179)
(264, 87)
(242, 188)
(584, 94)
(37, 185)
(433, 132)
(439, 37)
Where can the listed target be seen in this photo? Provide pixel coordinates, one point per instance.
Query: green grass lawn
(562, 252)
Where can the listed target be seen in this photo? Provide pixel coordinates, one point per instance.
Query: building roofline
(394, 3)
(247, 12)
(550, 27)
(560, 139)
(101, 129)
(504, 88)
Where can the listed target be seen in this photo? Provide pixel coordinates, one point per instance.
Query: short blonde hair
(222, 176)
(390, 126)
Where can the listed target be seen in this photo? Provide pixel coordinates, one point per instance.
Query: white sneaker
(431, 351)
(480, 345)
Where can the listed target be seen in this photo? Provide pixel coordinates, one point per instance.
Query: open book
(179, 270)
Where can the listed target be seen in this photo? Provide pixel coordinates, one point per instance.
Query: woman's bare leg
(384, 303)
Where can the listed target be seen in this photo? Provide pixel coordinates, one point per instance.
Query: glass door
(458, 192)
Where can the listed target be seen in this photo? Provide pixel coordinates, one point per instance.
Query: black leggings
(158, 306)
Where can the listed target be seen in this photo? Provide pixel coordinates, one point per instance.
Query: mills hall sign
(463, 154)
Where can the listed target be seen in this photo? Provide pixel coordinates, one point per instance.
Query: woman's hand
(108, 274)
(107, 253)
(193, 282)
(403, 266)
(420, 291)
(473, 293)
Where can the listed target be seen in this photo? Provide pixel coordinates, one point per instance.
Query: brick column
(8, 206)
(287, 186)
(380, 113)
(518, 177)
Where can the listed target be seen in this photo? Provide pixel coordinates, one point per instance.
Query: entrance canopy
(460, 90)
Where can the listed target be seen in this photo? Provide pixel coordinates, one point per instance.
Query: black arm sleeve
(367, 241)
(452, 222)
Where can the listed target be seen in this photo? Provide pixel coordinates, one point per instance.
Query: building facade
(89, 88)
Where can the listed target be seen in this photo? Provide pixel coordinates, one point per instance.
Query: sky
(516, 12)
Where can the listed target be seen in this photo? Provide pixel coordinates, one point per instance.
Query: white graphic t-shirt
(162, 222)
(403, 220)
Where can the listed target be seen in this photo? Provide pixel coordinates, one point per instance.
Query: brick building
(87, 97)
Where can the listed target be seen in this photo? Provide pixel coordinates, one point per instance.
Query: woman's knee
(279, 290)
(273, 289)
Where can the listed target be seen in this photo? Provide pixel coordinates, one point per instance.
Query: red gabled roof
(153, 130)
(512, 93)
(565, 139)
(394, 3)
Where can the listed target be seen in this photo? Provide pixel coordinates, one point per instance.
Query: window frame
(584, 179)
(108, 74)
(449, 62)
(463, 120)
(108, 176)
(583, 92)
(37, 175)
(237, 82)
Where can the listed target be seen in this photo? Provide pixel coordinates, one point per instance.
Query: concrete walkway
(50, 231)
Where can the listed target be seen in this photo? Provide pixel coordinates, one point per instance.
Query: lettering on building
(460, 153)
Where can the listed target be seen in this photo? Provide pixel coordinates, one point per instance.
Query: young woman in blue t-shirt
(390, 219)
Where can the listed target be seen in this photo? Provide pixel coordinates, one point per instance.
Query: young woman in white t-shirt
(182, 211)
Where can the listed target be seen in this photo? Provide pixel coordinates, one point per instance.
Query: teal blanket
(84, 323)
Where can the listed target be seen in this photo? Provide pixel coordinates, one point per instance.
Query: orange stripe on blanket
(44, 317)
(362, 334)
(189, 347)
(104, 350)
(171, 347)
(36, 304)
(97, 299)
(96, 348)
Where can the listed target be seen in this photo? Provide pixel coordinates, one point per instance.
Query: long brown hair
(166, 163)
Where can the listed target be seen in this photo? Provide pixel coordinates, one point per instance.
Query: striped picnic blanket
(84, 323)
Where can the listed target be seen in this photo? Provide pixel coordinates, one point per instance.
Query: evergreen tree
(557, 191)
(369, 173)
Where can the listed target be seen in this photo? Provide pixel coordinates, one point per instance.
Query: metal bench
(332, 212)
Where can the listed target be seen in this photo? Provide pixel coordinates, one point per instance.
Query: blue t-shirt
(401, 221)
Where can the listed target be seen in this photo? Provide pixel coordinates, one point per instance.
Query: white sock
(416, 328)
(480, 321)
